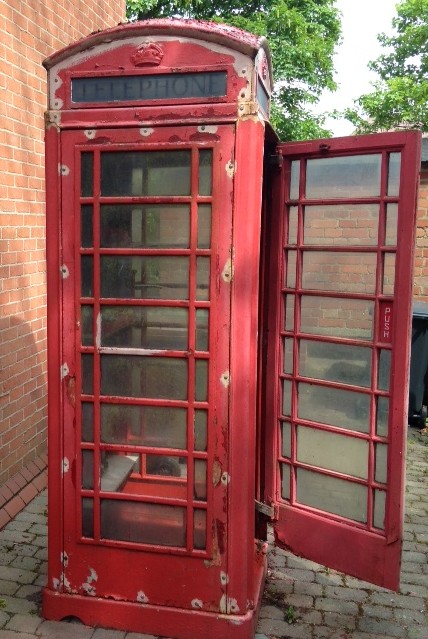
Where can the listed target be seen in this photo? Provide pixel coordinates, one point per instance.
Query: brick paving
(302, 600)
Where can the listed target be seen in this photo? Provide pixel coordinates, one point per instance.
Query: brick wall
(30, 30)
(420, 279)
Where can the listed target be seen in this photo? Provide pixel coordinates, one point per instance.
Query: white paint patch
(65, 465)
(98, 332)
(225, 379)
(223, 604)
(224, 578)
(87, 586)
(232, 605)
(90, 133)
(53, 118)
(64, 559)
(225, 478)
(197, 603)
(65, 273)
(146, 131)
(55, 583)
(141, 597)
(206, 128)
(231, 168)
(227, 272)
(57, 103)
(64, 371)
(63, 170)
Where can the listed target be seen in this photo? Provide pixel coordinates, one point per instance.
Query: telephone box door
(339, 298)
(142, 245)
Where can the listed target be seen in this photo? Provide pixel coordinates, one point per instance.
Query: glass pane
(344, 224)
(201, 380)
(337, 317)
(334, 406)
(285, 481)
(88, 469)
(384, 372)
(87, 374)
(87, 324)
(202, 278)
(335, 362)
(87, 274)
(167, 467)
(200, 489)
(288, 355)
(140, 277)
(204, 226)
(391, 224)
(347, 455)
(200, 429)
(294, 180)
(205, 171)
(144, 327)
(135, 376)
(333, 495)
(202, 315)
(339, 271)
(199, 529)
(86, 229)
(86, 174)
(145, 173)
(343, 177)
(382, 416)
(286, 397)
(394, 174)
(286, 439)
(381, 463)
(292, 225)
(87, 517)
(289, 312)
(290, 280)
(379, 509)
(144, 425)
(87, 422)
(388, 274)
(143, 523)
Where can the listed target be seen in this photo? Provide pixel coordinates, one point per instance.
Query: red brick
(4, 518)
(28, 493)
(14, 506)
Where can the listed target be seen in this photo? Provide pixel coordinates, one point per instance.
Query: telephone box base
(157, 620)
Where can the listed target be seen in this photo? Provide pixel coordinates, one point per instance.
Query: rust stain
(216, 472)
(70, 384)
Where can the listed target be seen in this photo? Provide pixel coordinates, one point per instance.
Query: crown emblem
(149, 55)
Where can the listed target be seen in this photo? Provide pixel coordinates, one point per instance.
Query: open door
(338, 293)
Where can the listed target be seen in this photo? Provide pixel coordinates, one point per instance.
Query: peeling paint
(90, 133)
(64, 371)
(225, 478)
(141, 597)
(57, 103)
(207, 128)
(65, 465)
(225, 379)
(216, 472)
(64, 559)
(63, 170)
(65, 273)
(231, 168)
(98, 332)
(146, 131)
(52, 119)
(87, 586)
(223, 604)
(232, 605)
(196, 603)
(224, 578)
(55, 583)
(227, 272)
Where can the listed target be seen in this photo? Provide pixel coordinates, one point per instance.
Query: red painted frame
(323, 537)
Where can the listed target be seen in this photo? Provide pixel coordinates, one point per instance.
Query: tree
(302, 35)
(400, 98)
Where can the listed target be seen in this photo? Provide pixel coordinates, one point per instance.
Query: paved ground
(302, 599)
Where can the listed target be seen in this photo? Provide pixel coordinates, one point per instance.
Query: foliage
(302, 35)
(400, 98)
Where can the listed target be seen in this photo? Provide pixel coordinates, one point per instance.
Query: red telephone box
(158, 475)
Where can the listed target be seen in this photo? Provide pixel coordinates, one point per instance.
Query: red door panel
(341, 239)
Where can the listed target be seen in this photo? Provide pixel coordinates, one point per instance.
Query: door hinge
(270, 511)
(275, 160)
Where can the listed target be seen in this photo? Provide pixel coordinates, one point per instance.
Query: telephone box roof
(222, 34)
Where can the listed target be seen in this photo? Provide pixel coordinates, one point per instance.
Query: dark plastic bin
(418, 365)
